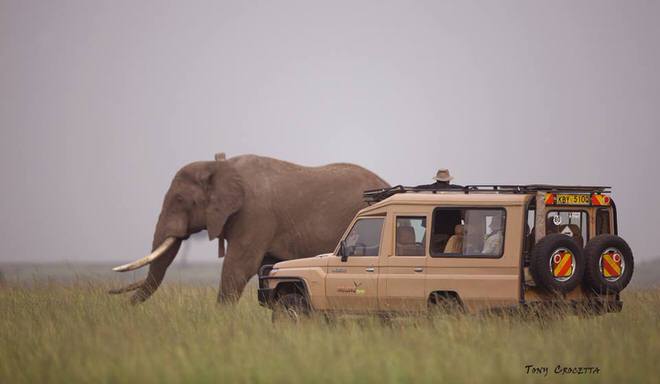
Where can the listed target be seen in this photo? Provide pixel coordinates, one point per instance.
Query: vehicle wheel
(291, 306)
(609, 264)
(443, 304)
(557, 263)
(385, 319)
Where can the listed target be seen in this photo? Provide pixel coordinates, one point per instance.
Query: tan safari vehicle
(472, 249)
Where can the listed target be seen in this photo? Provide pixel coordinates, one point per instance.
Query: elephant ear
(226, 195)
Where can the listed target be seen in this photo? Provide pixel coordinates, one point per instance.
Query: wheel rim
(611, 264)
(562, 264)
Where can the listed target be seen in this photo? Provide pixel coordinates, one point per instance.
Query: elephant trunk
(156, 273)
(164, 249)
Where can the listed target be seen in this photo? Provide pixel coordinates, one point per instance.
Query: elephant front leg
(240, 264)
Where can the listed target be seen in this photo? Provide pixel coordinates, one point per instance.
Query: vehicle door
(475, 254)
(352, 283)
(402, 271)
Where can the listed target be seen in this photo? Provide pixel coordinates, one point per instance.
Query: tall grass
(77, 333)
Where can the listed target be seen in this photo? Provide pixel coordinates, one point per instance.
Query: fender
(266, 295)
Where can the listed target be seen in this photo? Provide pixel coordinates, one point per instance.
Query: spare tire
(557, 264)
(609, 264)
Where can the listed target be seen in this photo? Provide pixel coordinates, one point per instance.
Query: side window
(468, 232)
(446, 223)
(364, 237)
(410, 236)
(484, 232)
(571, 223)
(603, 221)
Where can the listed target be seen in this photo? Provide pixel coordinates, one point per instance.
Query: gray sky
(102, 102)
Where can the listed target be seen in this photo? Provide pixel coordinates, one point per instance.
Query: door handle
(370, 269)
(419, 269)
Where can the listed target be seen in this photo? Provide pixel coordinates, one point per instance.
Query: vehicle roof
(452, 197)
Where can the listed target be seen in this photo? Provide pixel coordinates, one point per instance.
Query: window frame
(585, 211)
(469, 256)
(427, 238)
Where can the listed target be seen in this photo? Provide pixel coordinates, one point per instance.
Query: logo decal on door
(354, 289)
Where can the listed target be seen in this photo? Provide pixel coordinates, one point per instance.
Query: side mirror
(343, 252)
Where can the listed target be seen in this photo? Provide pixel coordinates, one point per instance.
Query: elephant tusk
(148, 259)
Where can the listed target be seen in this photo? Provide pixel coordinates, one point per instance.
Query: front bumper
(264, 294)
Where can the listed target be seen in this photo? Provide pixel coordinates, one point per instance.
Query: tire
(557, 264)
(443, 304)
(291, 307)
(601, 272)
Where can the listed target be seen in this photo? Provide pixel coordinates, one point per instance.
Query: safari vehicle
(477, 248)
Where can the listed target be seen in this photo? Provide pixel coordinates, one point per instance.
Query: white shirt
(493, 244)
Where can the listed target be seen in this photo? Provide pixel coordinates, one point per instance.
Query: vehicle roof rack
(376, 195)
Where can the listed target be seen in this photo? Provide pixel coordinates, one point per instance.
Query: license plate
(572, 199)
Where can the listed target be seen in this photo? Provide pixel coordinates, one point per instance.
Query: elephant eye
(179, 198)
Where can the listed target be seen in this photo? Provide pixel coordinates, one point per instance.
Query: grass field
(64, 333)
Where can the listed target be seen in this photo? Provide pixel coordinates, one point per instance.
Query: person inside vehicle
(455, 242)
(493, 242)
(442, 179)
(551, 226)
(351, 243)
(572, 230)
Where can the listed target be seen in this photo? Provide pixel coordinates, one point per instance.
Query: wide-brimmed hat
(443, 175)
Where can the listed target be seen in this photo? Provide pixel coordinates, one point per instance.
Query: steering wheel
(361, 245)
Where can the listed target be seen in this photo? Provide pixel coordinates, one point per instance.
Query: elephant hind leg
(240, 264)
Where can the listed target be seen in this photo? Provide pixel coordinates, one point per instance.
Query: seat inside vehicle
(405, 242)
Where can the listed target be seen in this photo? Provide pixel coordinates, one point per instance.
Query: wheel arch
(291, 285)
(435, 297)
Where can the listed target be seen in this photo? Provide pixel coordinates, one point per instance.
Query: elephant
(267, 210)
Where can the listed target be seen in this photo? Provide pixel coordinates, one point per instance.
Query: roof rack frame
(376, 195)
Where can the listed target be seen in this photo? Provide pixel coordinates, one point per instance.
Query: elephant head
(203, 195)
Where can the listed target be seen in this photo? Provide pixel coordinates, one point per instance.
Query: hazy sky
(102, 102)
